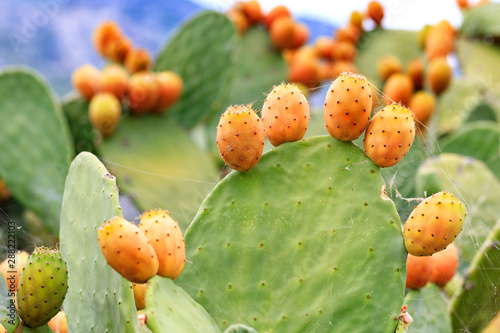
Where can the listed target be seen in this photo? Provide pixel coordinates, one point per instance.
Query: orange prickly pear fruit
(389, 135)
(139, 295)
(115, 80)
(341, 66)
(463, 4)
(275, 13)
(440, 40)
(285, 114)
(300, 35)
(170, 90)
(240, 137)
(87, 80)
(356, 19)
(434, 224)
(444, 265)
(349, 34)
(239, 19)
(398, 89)
(375, 12)
(282, 33)
(439, 75)
(423, 105)
(117, 49)
(252, 11)
(166, 237)
(59, 323)
(138, 60)
(105, 112)
(105, 33)
(348, 106)
(388, 65)
(345, 51)
(143, 92)
(324, 47)
(418, 271)
(416, 72)
(11, 274)
(304, 70)
(127, 250)
(4, 191)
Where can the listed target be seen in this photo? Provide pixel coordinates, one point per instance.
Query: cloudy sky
(400, 14)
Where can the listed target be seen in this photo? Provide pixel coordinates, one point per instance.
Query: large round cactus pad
(305, 241)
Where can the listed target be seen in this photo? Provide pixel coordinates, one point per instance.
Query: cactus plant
(158, 165)
(76, 111)
(98, 298)
(239, 328)
(479, 60)
(476, 305)
(170, 309)
(475, 185)
(429, 310)
(305, 239)
(202, 54)
(34, 133)
(482, 21)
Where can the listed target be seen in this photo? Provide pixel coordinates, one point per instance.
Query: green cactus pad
(170, 309)
(475, 185)
(7, 307)
(41, 329)
(239, 328)
(258, 66)
(159, 166)
(479, 140)
(35, 145)
(482, 21)
(379, 43)
(303, 241)
(43, 284)
(479, 61)
(98, 299)
(429, 309)
(202, 54)
(477, 304)
(76, 112)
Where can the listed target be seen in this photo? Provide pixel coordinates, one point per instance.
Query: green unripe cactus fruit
(434, 224)
(42, 287)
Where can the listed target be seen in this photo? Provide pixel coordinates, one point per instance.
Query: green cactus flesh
(482, 21)
(170, 309)
(239, 328)
(477, 304)
(43, 284)
(480, 140)
(479, 62)
(76, 111)
(35, 145)
(429, 309)
(8, 314)
(305, 241)
(98, 299)
(475, 185)
(41, 329)
(159, 166)
(202, 54)
(378, 43)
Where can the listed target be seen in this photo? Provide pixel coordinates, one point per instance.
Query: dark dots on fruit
(229, 286)
(338, 102)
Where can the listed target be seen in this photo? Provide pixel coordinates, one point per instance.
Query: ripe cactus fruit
(275, 13)
(388, 65)
(423, 105)
(239, 20)
(282, 32)
(138, 60)
(304, 69)
(348, 106)
(42, 287)
(59, 323)
(252, 11)
(87, 80)
(389, 135)
(300, 35)
(240, 137)
(375, 12)
(434, 224)
(416, 72)
(127, 250)
(166, 237)
(117, 49)
(105, 112)
(115, 80)
(444, 265)
(285, 114)
(10, 274)
(439, 75)
(139, 295)
(105, 33)
(143, 92)
(4, 191)
(345, 51)
(440, 40)
(398, 89)
(418, 271)
(170, 90)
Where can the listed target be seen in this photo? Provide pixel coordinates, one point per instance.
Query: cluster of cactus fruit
(127, 80)
(253, 262)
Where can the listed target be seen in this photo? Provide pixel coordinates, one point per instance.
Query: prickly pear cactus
(170, 309)
(482, 21)
(202, 54)
(76, 111)
(306, 240)
(98, 299)
(479, 61)
(429, 310)
(477, 303)
(8, 314)
(35, 146)
(158, 165)
(475, 185)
